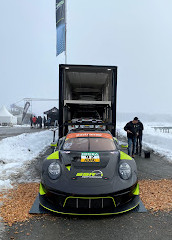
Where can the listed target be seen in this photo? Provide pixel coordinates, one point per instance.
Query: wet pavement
(14, 131)
(136, 226)
(154, 168)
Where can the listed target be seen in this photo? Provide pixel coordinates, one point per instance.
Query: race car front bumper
(113, 203)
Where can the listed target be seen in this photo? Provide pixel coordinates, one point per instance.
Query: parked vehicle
(89, 175)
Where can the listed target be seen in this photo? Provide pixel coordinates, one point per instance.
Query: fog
(134, 35)
(155, 119)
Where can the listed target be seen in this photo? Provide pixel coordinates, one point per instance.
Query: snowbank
(17, 152)
(160, 142)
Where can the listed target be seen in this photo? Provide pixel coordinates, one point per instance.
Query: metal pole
(65, 31)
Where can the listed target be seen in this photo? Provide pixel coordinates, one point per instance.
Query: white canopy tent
(6, 118)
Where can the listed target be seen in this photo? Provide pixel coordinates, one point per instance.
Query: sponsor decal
(93, 174)
(89, 134)
(90, 157)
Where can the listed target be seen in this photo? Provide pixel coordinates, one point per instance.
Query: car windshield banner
(60, 27)
(89, 134)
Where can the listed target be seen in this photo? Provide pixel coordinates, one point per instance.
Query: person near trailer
(34, 120)
(48, 122)
(139, 138)
(45, 121)
(132, 130)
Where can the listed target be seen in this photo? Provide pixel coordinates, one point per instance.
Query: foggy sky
(134, 35)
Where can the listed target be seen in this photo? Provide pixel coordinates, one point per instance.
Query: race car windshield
(76, 144)
(89, 144)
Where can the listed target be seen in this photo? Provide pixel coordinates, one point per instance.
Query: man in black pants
(132, 132)
(139, 138)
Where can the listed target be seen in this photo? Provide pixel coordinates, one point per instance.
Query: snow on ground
(160, 142)
(17, 152)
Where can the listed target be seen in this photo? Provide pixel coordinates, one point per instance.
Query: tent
(6, 118)
(53, 114)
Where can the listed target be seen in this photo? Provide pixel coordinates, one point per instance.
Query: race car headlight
(125, 171)
(54, 170)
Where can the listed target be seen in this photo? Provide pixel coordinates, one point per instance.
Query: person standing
(139, 138)
(40, 122)
(132, 130)
(45, 122)
(34, 120)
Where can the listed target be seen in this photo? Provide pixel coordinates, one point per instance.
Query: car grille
(89, 203)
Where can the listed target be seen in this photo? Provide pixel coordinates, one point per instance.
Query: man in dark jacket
(39, 121)
(132, 130)
(139, 138)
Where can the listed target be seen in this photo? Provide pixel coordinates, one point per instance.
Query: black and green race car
(89, 175)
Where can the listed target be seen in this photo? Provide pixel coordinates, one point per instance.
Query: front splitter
(41, 206)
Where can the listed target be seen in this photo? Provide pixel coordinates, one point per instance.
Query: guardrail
(163, 129)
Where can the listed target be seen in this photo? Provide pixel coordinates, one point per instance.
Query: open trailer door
(83, 88)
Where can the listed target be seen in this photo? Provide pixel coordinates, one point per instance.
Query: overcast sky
(134, 35)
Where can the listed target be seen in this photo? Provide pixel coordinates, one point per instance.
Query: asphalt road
(135, 226)
(14, 131)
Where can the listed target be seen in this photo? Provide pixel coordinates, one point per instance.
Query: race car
(89, 175)
(86, 119)
(86, 123)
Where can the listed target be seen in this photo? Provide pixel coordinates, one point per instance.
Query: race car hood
(89, 178)
(75, 160)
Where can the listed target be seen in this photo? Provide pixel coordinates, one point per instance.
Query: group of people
(134, 131)
(36, 122)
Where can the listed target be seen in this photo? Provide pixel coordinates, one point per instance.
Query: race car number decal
(90, 157)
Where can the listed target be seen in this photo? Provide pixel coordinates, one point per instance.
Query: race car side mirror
(123, 146)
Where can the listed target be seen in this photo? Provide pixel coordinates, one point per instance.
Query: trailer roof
(88, 68)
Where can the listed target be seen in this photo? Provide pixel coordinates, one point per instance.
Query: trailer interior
(88, 89)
